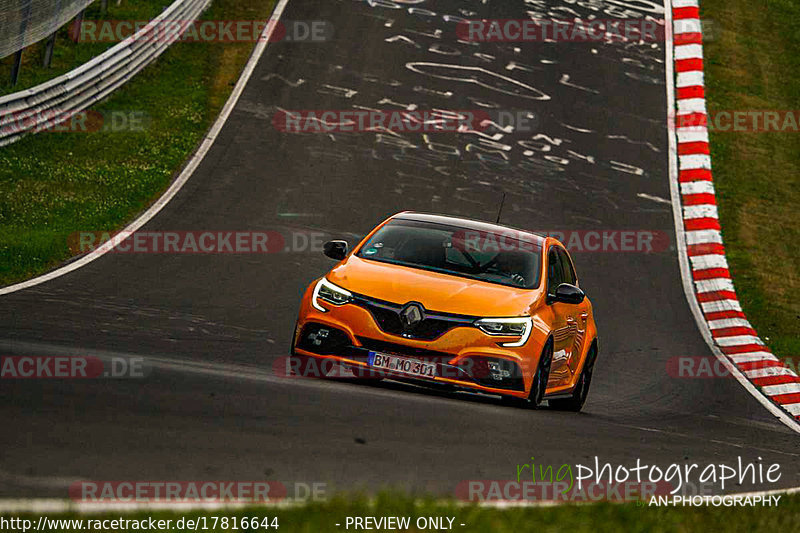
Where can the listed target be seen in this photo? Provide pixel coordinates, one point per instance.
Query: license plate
(403, 365)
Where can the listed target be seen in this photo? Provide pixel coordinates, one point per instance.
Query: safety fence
(57, 100)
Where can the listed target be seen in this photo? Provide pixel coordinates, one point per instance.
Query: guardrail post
(75, 32)
(23, 28)
(48, 50)
(15, 67)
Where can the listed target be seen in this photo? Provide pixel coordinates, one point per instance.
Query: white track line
(186, 173)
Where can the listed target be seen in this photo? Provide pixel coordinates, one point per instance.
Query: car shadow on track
(435, 391)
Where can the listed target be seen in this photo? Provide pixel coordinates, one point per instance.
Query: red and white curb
(730, 332)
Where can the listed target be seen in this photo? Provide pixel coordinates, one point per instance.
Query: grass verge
(321, 517)
(53, 184)
(752, 64)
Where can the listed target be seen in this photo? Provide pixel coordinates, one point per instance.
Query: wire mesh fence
(25, 22)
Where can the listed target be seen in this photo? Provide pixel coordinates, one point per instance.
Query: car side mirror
(335, 249)
(568, 294)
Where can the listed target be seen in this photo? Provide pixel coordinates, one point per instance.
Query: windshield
(500, 258)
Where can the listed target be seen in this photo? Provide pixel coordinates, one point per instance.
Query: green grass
(54, 184)
(321, 517)
(752, 64)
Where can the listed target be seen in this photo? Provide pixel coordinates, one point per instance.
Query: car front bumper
(462, 355)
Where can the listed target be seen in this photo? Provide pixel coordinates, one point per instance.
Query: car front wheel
(540, 377)
(581, 391)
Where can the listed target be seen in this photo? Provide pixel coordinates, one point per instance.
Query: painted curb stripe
(730, 332)
(770, 371)
(692, 12)
(699, 147)
(703, 223)
(761, 365)
(711, 281)
(774, 380)
(692, 92)
(694, 175)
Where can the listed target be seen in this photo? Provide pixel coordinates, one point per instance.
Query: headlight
(507, 327)
(328, 292)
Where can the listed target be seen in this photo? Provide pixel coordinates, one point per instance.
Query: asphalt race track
(213, 325)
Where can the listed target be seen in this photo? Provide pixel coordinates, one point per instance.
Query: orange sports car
(457, 302)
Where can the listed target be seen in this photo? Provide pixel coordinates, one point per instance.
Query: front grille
(432, 326)
(387, 319)
(402, 349)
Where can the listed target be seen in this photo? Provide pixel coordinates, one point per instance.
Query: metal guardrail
(57, 100)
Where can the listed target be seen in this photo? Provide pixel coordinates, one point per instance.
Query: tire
(540, 377)
(575, 402)
(294, 335)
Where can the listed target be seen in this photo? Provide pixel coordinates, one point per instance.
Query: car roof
(468, 223)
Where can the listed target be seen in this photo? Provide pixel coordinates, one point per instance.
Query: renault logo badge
(411, 315)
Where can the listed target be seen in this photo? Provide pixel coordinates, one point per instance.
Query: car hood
(436, 292)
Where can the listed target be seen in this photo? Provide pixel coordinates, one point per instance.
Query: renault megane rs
(451, 301)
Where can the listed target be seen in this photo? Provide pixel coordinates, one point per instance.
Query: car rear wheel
(581, 391)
